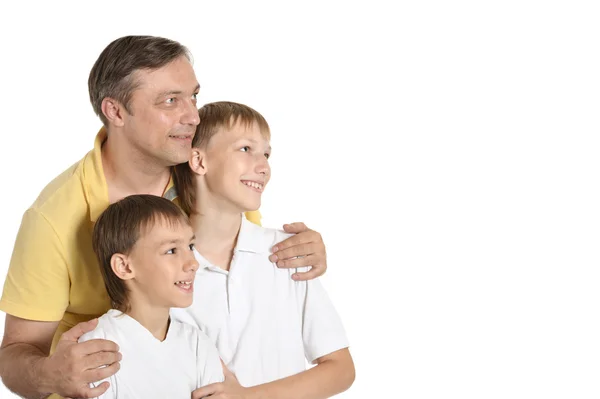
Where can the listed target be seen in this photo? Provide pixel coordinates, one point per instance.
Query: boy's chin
(182, 304)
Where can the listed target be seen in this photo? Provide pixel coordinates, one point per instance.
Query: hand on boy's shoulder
(304, 248)
(80, 359)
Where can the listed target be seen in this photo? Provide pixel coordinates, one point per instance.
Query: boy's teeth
(253, 184)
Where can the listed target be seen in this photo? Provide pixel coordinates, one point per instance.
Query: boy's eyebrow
(176, 240)
(253, 141)
(170, 241)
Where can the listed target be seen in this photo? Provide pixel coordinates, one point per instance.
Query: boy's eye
(171, 251)
(192, 247)
(267, 155)
(245, 148)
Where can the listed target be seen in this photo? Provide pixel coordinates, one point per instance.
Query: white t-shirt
(187, 359)
(264, 324)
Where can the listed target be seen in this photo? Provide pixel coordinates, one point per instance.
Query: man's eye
(170, 100)
(245, 148)
(171, 251)
(195, 96)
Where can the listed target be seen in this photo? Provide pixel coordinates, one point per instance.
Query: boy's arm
(334, 373)
(325, 344)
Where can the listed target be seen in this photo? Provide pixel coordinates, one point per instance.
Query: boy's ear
(197, 161)
(114, 111)
(121, 266)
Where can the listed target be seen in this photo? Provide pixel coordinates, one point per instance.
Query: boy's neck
(216, 235)
(128, 172)
(155, 320)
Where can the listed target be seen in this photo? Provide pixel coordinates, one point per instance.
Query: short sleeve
(322, 328)
(112, 391)
(37, 283)
(210, 369)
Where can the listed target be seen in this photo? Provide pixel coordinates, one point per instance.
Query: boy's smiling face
(236, 166)
(163, 265)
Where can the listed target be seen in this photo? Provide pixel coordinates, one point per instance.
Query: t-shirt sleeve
(37, 283)
(210, 369)
(322, 328)
(112, 391)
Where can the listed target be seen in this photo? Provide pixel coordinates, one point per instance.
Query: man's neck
(216, 232)
(127, 172)
(154, 319)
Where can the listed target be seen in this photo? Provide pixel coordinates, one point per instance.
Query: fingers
(314, 272)
(76, 332)
(96, 345)
(294, 228)
(206, 390)
(303, 261)
(297, 239)
(97, 391)
(97, 359)
(102, 373)
(295, 251)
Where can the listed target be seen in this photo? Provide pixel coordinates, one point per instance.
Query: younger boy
(265, 324)
(144, 245)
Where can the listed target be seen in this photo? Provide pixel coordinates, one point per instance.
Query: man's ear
(121, 266)
(114, 111)
(197, 161)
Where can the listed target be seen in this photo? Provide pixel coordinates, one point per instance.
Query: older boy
(265, 324)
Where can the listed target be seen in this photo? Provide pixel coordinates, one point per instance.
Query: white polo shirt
(264, 324)
(187, 359)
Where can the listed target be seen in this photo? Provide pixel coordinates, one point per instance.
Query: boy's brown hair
(213, 116)
(113, 72)
(118, 229)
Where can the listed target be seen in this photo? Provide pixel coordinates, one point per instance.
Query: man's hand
(305, 248)
(73, 366)
(228, 389)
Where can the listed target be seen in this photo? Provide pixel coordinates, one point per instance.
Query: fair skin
(136, 157)
(159, 273)
(231, 172)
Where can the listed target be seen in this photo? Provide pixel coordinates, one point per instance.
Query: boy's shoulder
(104, 328)
(259, 238)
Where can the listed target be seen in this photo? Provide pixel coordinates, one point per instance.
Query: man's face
(164, 115)
(237, 166)
(164, 265)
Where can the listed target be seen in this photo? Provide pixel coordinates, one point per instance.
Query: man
(144, 90)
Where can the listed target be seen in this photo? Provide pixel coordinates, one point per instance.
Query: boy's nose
(263, 168)
(191, 265)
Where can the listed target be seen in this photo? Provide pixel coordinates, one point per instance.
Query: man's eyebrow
(177, 92)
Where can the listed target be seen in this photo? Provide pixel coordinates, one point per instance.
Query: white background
(447, 151)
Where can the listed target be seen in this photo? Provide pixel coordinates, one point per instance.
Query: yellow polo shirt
(54, 274)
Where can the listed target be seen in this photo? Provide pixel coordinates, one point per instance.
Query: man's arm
(27, 370)
(333, 374)
(305, 248)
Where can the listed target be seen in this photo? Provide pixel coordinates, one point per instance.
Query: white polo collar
(250, 239)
